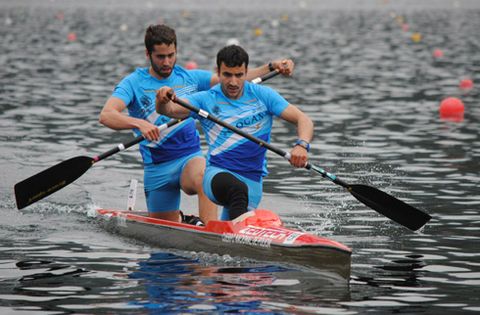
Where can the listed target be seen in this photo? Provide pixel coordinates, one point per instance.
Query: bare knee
(192, 176)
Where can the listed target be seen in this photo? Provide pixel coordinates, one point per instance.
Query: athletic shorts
(162, 183)
(255, 189)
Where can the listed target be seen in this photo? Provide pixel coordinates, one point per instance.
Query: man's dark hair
(232, 56)
(159, 34)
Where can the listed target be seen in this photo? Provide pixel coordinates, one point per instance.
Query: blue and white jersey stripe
(138, 91)
(253, 113)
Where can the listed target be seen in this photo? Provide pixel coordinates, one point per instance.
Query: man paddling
(235, 165)
(172, 158)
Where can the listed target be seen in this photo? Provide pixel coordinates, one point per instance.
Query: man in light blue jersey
(236, 165)
(172, 158)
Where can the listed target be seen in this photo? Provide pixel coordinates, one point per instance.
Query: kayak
(258, 234)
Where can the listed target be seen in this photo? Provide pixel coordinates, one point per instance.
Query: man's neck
(236, 98)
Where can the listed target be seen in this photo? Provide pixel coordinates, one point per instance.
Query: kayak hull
(261, 236)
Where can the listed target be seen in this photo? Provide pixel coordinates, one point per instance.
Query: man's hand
(164, 95)
(284, 66)
(299, 156)
(149, 131)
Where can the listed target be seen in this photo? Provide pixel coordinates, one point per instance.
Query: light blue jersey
(253, 113)
(138, 91)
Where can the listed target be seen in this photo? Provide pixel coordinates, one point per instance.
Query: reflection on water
(373, 94)
(74, 277)
(176, 284)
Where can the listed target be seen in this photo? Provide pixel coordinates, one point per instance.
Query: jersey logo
(146, 102)
(251, 120)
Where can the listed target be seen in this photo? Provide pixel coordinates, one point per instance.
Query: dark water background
(373, 93)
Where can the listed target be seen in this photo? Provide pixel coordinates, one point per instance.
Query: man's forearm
(171, 109)
(118, 121)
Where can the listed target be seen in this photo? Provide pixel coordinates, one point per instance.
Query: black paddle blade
(390, 206)
(50, 180)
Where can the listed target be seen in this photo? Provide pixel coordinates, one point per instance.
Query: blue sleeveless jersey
(138, 91)
(252, 113)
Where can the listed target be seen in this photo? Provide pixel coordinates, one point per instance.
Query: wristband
(303, 144)
(270, 67)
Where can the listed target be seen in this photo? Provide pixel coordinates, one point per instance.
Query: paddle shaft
(260, 142)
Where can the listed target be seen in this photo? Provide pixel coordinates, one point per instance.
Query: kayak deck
(258, 234)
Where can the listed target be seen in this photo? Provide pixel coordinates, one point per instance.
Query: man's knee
(192, 176)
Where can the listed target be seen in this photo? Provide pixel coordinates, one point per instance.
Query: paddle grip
(265, 77)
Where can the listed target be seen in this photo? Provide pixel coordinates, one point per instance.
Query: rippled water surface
(374, 94)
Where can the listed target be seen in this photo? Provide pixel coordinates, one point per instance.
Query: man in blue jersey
(172, 159)
(236, 165)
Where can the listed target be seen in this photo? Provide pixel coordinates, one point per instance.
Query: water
(374, 97)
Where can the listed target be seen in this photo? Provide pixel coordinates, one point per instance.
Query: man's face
(163, 59)
(232, 80)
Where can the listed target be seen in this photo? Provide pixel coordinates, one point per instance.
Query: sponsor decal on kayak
(246, 240)
(257, 236)
(280, 235)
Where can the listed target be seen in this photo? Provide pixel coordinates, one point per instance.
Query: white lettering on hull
(246, 240)
(262, 237)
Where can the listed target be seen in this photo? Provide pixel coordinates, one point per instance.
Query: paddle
(374, 198)
(58, 176)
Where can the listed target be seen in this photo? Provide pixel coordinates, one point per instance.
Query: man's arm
(165, 106)
(112, 117)
(284, 66)
(304, 131)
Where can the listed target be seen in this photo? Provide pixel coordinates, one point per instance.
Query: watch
(303, 144)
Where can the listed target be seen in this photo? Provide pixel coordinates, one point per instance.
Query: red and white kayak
(257, 234)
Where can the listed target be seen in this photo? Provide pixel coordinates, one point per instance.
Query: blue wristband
(303, 144)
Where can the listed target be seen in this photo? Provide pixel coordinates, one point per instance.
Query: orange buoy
(466, 84)
(437, 53)
(452, 108)
(72, 36)
(190, 65)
